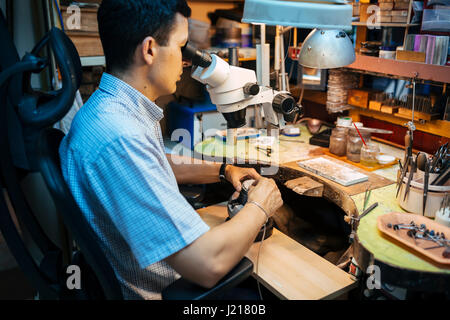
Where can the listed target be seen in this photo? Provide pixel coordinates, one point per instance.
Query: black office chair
(36, 112)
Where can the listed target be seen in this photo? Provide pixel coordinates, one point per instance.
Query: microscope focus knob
(283, 103)
(251, 89)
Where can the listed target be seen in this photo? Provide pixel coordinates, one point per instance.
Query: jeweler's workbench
(285, 265)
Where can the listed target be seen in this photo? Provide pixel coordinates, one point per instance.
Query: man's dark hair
(124, 24)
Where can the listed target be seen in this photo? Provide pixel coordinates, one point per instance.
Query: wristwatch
(222, 172)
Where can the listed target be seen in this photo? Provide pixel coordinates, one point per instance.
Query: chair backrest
(24, 115)
(78, 226)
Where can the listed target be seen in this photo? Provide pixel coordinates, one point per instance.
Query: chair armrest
(185, 290)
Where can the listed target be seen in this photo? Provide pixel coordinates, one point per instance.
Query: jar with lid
(338, 141)
(354, 144)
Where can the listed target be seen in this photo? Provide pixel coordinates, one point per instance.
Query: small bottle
(338, 141)
(354, 144)
(369, 153)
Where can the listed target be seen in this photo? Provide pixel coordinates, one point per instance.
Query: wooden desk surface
(287, 268)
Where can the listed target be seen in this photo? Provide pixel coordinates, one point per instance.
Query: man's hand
(236, 175)
(266, 194)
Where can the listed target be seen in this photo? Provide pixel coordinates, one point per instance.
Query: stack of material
(393, 11)
(384, 15)
(339, 82)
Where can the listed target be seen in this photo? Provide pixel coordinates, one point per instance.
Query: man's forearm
(188, 171)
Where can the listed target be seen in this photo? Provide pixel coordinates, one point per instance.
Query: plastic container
(387, 54)
(354, 144)
(338, 141)
(436, 20)
(369, 153)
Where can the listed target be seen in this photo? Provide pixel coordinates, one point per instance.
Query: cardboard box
(401, 5)
(415, 56)
(385, 6)
(375, 105)
(384, 17)
(399, 19)
(360, 97)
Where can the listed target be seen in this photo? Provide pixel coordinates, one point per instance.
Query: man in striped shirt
(114, 163)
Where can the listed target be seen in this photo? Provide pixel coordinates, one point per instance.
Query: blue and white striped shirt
(114, 163)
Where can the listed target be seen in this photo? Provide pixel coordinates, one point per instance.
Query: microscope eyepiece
(198, 57)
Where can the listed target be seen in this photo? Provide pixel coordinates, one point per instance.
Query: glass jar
(369, 153)
(338, 141)
(354, 144)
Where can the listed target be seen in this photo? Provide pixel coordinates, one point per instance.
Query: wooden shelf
(405, 69)
(436, 127)
(386, 24)
(93, 61)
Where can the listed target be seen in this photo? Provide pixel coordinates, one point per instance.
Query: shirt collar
(121, 89)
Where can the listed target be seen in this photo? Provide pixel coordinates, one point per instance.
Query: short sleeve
(129, 180)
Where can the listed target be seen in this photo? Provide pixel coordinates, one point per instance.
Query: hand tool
(425, 185)
(421, 160)
(442, 178)
(365, 212)
(366, 197)
(442, 151)
(405, 168)
(369, 209)
(411, 174)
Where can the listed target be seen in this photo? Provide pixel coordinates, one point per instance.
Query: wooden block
(389, 109)
(399, 19)
(87, 43)
(384, 13)
(305, 186)
(384, 1)
(401, 5)
(383, 18)
(407, 114)
(384, 6)
(375, 105)
(410, 56)
(403, 13)
(359, 97)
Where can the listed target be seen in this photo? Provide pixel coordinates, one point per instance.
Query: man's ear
(148, 50)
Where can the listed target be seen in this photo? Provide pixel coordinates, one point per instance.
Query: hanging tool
(405, 169)
(366, 197)
(421, 161)
(442, 178)
(439, 155)
(411, 174)
(425, 185)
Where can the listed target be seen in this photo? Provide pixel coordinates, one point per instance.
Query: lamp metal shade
(327, 49)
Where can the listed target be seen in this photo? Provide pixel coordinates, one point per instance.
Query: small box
(415, 56)
(375, 105)
(384, 1)
(389, 109)
(401, 5)
(384, 16)
(359, 97)
(399, 13)
(399, 19)
(386, 6)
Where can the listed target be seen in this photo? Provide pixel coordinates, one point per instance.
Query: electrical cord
(260, 246)
(257, 262)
